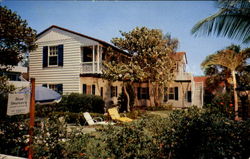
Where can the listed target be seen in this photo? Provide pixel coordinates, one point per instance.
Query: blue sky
(104, 20)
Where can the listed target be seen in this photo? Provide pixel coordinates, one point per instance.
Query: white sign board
(18, 104)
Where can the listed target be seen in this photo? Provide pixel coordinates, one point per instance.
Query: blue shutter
(189, 96)
(45, 56)
(59, 88)
(84, 89)
(93, 89)
(147, 93)
(176, 94)
(116, 91)
(60, 55)
(139, 92)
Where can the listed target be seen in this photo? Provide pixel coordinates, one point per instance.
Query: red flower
(82, 154)
(26, 148)
(230, 105)
(222, 103)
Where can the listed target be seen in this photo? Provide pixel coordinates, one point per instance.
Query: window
(143, 93)
(173, 93)
(53, 55)
(113, 91)
(56, 87)
(88, 89)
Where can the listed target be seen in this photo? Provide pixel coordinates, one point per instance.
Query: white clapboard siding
(69, 74)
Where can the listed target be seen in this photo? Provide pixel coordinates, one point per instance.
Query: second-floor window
(53, 55)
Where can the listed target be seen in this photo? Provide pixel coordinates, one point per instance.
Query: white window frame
(172, 93)
(52, 55)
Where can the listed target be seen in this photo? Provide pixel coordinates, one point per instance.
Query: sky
(104, 19)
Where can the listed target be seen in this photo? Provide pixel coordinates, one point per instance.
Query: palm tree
(232, 21)
(231, 58)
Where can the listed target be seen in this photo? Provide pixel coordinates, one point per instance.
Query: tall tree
(151, 57)
(231, 57)
(232, 21)
(16, 37)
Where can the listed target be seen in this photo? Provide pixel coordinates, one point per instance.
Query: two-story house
(67, 61)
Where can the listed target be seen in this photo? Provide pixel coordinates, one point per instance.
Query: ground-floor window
(56, 87)
(113, 91)
(143, 93)
(171, 93)
(88, 89)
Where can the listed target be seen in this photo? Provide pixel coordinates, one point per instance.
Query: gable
(55, 34)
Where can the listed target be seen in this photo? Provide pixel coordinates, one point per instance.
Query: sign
(18, 104)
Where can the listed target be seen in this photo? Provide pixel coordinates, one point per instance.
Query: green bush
(75, 102)
(197, 133)
(222, 103)
(14, 136)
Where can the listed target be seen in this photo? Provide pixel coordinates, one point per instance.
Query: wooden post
(32, 117)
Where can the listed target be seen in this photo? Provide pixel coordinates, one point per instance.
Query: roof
(179, 56)
(85, 36)
(200, 79)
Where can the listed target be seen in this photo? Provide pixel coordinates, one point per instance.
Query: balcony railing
(183, 76)
(90, 67)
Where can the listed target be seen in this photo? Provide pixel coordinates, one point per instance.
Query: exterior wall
(183, 87)
(99, 82)
(69, 73)
(182, 99)
(198, 94)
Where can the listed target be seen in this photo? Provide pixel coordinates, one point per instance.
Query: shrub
(222, 103)
(75, 102)
(13, 136)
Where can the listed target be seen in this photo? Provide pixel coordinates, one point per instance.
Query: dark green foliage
(75, 102)
(15, 37)
(222, 103)
(204, 134)
(192, 133)
(5, 89)
(49, 138)
(13, 136)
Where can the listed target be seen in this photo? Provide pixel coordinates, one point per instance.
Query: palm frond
(232, 22)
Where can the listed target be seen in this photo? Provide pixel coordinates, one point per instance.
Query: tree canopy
(232, 58)
(16, 37)
(151, 57)
(232, 21)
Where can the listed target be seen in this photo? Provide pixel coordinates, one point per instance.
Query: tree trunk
(127, 95)
(156, 95)
(236, 107)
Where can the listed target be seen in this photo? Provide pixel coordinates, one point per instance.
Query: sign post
(32, 117)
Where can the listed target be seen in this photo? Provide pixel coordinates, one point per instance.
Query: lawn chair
(113, 112)
(95, 121)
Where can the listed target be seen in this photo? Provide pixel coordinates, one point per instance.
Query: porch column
(98, 59)
(93, 59)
